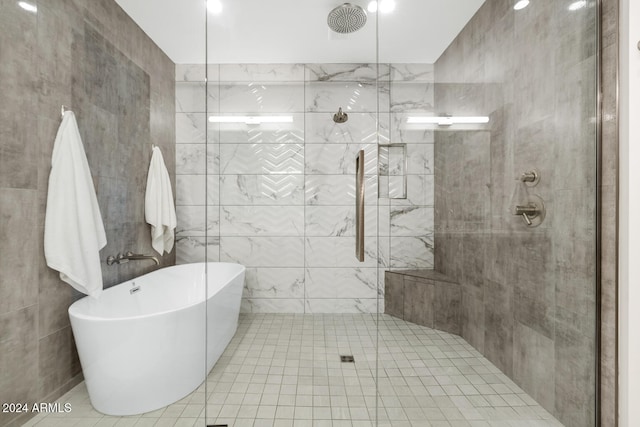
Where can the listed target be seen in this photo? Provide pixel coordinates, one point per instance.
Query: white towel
(159, 210)
(73, 229)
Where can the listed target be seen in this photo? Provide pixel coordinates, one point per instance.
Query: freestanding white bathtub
(142, 343)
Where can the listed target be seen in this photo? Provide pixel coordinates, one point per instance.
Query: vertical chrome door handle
(360, 206)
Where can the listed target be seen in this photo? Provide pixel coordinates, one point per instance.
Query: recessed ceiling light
(521, 4)
(214, 6)
(28, 6)
(386, 6)
(578, 5)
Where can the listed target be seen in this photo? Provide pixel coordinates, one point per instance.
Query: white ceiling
(295, 31)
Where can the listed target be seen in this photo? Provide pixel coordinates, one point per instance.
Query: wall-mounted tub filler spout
(129, 256)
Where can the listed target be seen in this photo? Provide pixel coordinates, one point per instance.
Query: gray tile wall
(90, 56)
(423, 297)
(528, 294)
(609, 213)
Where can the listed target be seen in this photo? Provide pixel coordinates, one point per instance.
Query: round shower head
(347, 18)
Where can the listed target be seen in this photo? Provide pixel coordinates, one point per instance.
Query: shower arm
(531, 176)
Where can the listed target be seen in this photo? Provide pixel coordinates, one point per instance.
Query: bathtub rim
(73, 309)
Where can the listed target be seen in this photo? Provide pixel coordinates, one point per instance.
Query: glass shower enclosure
(411, 187)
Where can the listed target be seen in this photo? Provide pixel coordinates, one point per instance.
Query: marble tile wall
(279, 197)
(90, 56)
(528, 294)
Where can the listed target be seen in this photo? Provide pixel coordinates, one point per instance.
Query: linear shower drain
(347, 359)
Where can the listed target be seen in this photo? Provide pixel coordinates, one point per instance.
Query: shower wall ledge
(425, 297)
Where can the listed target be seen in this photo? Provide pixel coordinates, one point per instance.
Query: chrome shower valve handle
(528, 212)
(533, 213)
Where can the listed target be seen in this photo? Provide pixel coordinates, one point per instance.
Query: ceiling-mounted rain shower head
(347, 18)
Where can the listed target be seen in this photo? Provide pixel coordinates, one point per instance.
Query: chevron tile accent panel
(239, 190)
(281, 159)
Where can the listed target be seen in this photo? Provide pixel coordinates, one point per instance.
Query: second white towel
(160, 211)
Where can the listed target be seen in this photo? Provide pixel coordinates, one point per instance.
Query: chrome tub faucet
(129, 256)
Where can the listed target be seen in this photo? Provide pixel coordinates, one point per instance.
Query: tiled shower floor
(284, 371)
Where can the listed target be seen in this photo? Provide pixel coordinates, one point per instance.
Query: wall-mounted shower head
(347, 18)
(340, 117)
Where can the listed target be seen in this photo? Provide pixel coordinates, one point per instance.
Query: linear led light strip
(437, 120)
(448, 120)
(251, 120)
(521, 4)
(28, 6)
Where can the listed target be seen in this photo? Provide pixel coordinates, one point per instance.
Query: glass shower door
(490, 304)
